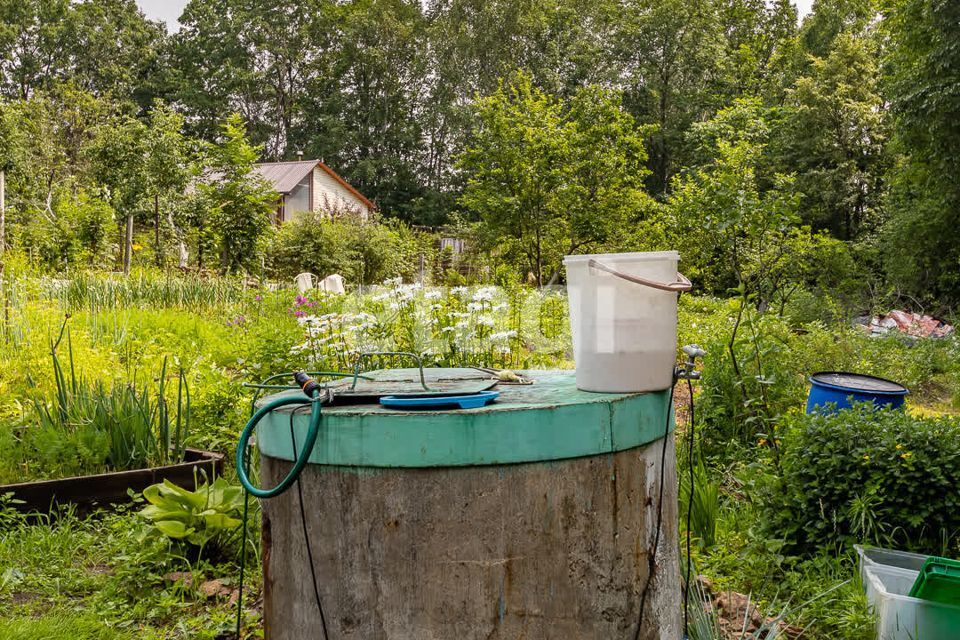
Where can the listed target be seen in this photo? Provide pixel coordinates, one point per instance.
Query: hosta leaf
(197, 499)
(220, 521)
(161, 512)
(173, 529)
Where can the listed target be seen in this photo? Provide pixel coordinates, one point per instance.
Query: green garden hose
(312, 392)
(311, 397)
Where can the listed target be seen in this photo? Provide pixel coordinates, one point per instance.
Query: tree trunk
(554, 277)
(156, 229)
(200, 247)
(3, 218)
(183, 254)
(539, 265)
(128, 245)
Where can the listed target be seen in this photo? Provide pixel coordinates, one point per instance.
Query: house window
(298, 200)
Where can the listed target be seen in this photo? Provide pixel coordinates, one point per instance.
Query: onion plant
(97, 291)
(89, 426)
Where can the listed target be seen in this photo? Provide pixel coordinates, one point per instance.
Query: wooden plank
(111, 488)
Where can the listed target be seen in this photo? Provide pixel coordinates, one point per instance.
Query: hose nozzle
(310, 387)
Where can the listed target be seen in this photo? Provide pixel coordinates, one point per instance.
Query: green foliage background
(532, 129)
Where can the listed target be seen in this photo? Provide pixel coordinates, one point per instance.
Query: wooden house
(310, 185)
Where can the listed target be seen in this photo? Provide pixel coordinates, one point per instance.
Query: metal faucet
(688, 370)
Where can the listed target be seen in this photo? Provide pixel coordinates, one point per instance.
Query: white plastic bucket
(623, 316)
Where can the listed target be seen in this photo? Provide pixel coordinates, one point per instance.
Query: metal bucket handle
(369, 354)
(681, 283)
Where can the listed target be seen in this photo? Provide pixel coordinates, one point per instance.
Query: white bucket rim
(647, 256)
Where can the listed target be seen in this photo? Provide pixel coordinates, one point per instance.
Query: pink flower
(239, 321)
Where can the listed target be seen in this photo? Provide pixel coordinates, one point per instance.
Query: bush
(362, 252)
(867, 475)
(81, 230)
(740, 399)
(210, 515)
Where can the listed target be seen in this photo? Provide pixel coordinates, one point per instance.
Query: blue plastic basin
(843, 389)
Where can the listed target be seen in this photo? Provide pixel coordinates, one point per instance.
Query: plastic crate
(938, 581)
(901, 617)
(872, 556)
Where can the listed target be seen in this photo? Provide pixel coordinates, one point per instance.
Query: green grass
(56, 627)
(742, 559)
(55, 573)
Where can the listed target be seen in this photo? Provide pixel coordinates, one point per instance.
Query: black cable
(656, 538)
(306, 534)
(243, 547)
(686, 584)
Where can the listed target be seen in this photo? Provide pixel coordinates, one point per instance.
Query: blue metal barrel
(841, 390)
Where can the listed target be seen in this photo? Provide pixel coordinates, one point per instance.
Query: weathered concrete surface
(532, 551)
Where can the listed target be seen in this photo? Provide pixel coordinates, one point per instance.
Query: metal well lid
(407, 383)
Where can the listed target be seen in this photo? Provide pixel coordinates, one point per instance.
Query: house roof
(284, 176)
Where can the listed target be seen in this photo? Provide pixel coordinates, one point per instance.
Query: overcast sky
(803, 6)
(169, 10)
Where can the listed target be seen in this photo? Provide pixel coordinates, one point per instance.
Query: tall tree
(257, 60)
(671, 53)
(241, 201)
(380, 74)
(547, 177)
(170, 166)
(10, 144)
(54, 129)
(472, 44)
(101, 46)
(34, 43)
(734, 225)
(922, 66)
(830, 18)
(833, 136)
(114, 49)
(756, 32)
(120, 154)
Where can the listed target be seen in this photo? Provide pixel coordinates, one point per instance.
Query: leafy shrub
(913, 364)
(742, 397)
(363, 252)
(867, 475)
(211, 514)
(749, 378)
(78, 231)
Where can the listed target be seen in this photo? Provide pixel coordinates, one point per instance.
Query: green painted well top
(548, 420)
